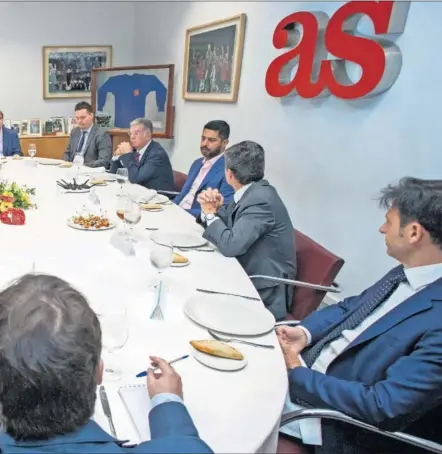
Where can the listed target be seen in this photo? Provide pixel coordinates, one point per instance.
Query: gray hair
(417, 201)
(144, 122)
(50, 347)
(246, 160)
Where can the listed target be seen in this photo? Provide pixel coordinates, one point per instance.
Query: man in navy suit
(377, 357)
(145, 159)
(50, 346)
(208, 171)
(9, 142)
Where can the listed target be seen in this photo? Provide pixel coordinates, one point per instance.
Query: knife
(107, 410)
(252, 298)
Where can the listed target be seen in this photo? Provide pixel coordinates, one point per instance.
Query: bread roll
(178, 258)
(150, 206)
(65, 164)
(217, 348)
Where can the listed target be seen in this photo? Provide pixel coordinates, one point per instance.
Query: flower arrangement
(13, 200)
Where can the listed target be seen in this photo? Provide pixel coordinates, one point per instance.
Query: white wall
(327, 158)
(26, 27)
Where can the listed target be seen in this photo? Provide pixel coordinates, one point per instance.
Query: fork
(240, 341)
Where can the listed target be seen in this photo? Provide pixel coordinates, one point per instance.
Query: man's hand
(123, 148)
(167, 381)
(293, 336)
(291, 355)
(210, 200)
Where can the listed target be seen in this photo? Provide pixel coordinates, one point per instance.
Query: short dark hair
(246, 160)
(417, 200)
(50, 347)
(220, 126)
(83, 105)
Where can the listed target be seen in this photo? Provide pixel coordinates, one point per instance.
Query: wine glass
(122, 178)
(132, 217)
(32, 151)
(123, 206)
(115, 333)
(78, 162)
(161, 257)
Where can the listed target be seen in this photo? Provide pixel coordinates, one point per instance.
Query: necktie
(310, 354)
(137, 158)
(81, 143)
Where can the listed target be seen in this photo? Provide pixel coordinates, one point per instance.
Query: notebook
(138, 405)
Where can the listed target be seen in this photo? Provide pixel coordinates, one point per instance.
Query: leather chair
(317, 270)
(285, 446)
(179, 180)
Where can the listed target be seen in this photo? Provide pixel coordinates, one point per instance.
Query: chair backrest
(316, 265)
(179, 179)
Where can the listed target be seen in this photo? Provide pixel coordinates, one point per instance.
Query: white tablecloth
(233, 411)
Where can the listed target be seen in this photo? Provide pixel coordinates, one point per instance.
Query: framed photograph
(24, 128)
(67, 70)
(212, 60)
(58, 125)
(16, 126)
(70, 124)
(7, 124)
(34, 127)
(119, 95)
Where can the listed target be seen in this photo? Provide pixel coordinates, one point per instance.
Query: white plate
(230, 314)
(152, 210)
(48, 161)
(184, 240)
(75, 191)
(107, 177)
(159, 198)
(79, 227)
(180, 265)
(216, 362)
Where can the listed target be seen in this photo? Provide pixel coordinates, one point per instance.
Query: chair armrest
(334, 288)
(171, 193)
(338, 416)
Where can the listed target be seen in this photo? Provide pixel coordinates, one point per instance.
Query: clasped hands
(123, 148)
(210, 200)
(292, 341)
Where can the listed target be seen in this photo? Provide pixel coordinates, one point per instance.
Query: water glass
(32, 151)
(122, 176)
(132, 217)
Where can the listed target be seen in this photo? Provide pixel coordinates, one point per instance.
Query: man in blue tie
(89, 140)
(50, 366)
(377, 357)
(9, 141)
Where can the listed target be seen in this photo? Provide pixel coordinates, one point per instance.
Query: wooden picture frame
(212, 60)
(60, 65)
(34, 127)
(129, 92)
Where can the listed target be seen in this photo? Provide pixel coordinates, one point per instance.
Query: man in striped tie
(377, 357)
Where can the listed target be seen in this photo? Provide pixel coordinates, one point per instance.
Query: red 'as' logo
(379, 58)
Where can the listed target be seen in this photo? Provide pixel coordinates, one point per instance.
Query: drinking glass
(78, 162)
(32, 151)
(122, 178)
(115, 333)
(161, 257)
(123, 206)
(132, 217)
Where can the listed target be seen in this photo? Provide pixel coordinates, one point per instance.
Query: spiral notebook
(138, 405)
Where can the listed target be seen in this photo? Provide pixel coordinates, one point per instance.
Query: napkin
(91, 170)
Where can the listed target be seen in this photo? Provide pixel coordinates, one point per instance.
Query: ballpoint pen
(144, 373)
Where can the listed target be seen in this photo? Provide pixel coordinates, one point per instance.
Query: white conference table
(233, 411)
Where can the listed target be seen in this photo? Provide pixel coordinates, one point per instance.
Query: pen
(144, 373)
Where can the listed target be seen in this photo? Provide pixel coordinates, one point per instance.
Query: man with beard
(207, 172)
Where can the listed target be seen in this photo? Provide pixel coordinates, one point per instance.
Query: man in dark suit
(50, 346)
(377, 357)
(145, 159)
(208, 171)
(255, 228)
(91, 141)
(9, 141)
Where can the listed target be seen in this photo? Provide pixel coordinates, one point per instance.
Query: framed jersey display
(127, 93)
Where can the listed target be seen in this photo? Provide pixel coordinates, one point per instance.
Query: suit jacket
(154, 170)
(172, 431)
(214, 179)
(98, 147)
(390, 376)
(258, 232)
(11, 142)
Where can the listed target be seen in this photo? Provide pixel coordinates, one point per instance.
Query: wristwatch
(210, 217)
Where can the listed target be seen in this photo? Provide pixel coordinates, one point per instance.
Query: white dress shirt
(417, 279)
